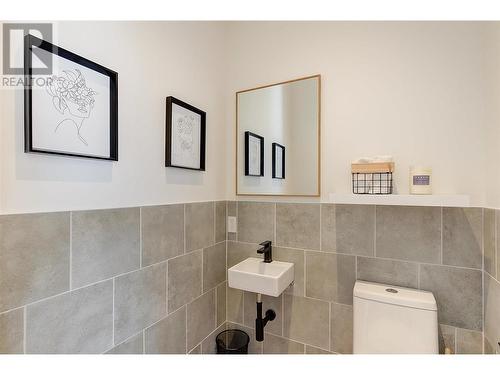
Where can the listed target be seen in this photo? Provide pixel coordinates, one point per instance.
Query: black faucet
(267, 250)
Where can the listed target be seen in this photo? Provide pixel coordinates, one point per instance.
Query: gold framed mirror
(278, 139)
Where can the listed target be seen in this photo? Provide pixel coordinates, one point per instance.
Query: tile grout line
(202, 263)
(140, 237)
(156, 322)
(370, 257)
(227, 237)
(24, 328)
(145, 328)
(184, 227)
(243, 294)
(166, 316)
(316, 347)
(283, 313)
(418, 275)
(482, 267)
(113, 281)
(174, 203)
(75, 290)
(186, 313)
(382, 258)
(289, 339)
(317, 299)
(226, 234)
(330, 326)
(320, 229)
(356, 267)
(275, 224)
(70, 248)
(486, 273)
(206, 337)
(375, 232)
(441, 236)
(166, 288)
(216, 307)
(144, 341)
(186, 305)
(456, 339)
(113, 328)
(495, 260)
(482, 237)
(195, 298)
(283, 337)
(305, 273)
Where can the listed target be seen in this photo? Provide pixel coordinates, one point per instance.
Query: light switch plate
(231, 224)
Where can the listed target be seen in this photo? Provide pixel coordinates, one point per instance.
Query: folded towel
(363, 160)
(382, 159)
(374, 159)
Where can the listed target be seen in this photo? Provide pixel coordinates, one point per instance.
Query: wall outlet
(231, 224)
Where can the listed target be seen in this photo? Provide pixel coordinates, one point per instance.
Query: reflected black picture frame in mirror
(254, 159)
(277, 162)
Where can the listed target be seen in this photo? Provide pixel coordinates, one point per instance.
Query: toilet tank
(394, 320)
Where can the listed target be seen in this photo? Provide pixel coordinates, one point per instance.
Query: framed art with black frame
(278, 161)
(73, 111)
(254, 154)
(185, 136)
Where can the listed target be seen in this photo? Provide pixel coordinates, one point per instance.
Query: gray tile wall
(153, 279)
(119, 281)
(431, 248)
(104, 243)
(491, 280)
(34, 257)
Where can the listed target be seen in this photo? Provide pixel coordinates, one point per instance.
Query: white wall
(492, 108)
(153, 60)
(426, 93)
(415, 90)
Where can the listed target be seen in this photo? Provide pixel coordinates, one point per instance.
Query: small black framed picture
(73, 111)
(185, 135)
(254, 154)
(278, 161)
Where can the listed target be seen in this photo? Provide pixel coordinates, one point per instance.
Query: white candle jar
(420, 180)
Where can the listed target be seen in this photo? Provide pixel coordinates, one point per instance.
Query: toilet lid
(395, 295)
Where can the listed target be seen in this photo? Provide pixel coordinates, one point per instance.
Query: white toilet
(394, 320)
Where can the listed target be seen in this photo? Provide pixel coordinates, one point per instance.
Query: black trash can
(232, 341)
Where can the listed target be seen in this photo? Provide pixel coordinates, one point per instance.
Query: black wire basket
(373, 178)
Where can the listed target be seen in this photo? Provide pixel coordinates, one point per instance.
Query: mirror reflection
(278, 128)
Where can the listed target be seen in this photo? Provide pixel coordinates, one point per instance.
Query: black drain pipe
(260, 322)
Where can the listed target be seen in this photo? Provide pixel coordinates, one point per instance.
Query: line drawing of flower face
(185, 126)
(70, 94)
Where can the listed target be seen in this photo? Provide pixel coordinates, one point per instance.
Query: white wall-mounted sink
(254, 275)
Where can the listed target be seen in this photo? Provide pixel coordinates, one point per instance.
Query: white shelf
(402, 200)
